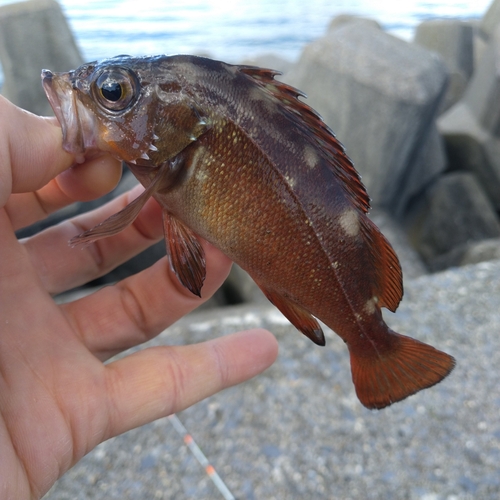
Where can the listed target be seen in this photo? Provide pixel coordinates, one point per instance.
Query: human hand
(58, 400)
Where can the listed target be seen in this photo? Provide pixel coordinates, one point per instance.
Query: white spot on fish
(310, 157)
(349, 222)
(199, 166)
(201, 175)
(292, 181)
(371, 305)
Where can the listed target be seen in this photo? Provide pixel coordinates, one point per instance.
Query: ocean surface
(233, 30)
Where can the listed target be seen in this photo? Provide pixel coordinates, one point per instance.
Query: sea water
(234, 30)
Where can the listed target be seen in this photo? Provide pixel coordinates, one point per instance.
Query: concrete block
(456, 212)
(483, 93)
(423, 169)
(482, 251)
(34, 35)
(380, 95)
(480, 42)
(452, 39)
(271, 61)
(471, 128)
(343, 19)
(411, 263)
(473, 252)
(491, 19)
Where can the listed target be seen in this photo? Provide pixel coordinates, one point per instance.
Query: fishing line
(200, 456)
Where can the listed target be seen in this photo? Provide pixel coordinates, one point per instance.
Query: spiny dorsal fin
(313, 126)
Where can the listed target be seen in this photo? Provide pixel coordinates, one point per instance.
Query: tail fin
(408, 367)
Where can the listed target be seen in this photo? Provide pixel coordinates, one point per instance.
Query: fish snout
(59, 90)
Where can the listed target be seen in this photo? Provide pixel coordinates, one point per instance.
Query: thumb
(31, 150)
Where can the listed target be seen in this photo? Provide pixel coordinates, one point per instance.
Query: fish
(237, 157)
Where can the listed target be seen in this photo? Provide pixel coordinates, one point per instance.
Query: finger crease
(134, 309)
(176, 380)
(43, 206)
(221, 367)
(139, 227)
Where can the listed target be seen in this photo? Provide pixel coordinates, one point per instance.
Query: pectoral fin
(117, 222)
(299, 317)
(186, 254)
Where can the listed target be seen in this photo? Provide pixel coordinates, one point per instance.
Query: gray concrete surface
(34, 35)
(298, 431)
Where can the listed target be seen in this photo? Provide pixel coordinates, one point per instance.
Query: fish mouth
(76, 123)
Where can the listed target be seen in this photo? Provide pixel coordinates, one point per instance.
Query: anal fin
(299, 317)
(186, 254)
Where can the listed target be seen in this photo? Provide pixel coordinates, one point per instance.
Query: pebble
(298, 430)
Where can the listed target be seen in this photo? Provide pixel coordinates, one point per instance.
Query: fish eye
(115, 89)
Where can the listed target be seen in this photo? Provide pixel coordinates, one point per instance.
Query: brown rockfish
(234, 156)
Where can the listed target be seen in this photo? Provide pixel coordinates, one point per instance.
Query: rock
(480, 43)
(34, 35)
(450, 259)
(343, 19)
(423, 169)
(471, 148)
(491, 19)
(471, 128)
(380, 95)
(484, 88)
(456, 211)
(452, 39)
(298, 431)
(485, 250)
(469, 253)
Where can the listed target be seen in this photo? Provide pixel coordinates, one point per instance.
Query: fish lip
(59, 90)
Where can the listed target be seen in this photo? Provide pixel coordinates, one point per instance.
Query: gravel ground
(298, 431)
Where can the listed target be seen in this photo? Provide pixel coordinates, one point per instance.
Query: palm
(57, 398)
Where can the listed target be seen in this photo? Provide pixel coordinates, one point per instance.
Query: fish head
(123, 106)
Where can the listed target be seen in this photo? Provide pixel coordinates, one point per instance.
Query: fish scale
(234, 156)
